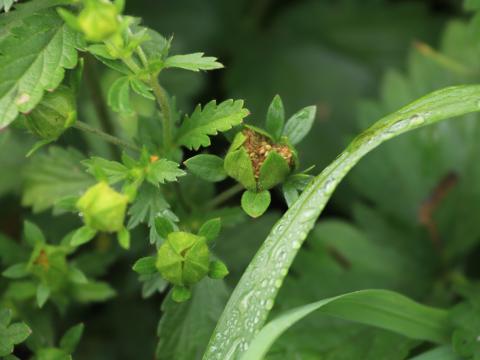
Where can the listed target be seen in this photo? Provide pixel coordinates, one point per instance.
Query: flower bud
(183, 259)
(258, 163)
(99, 20)
(53, 115)
(103, 208)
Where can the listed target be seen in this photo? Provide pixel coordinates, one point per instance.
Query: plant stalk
(224, 196)
(80, 125)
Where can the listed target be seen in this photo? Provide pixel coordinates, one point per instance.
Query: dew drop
(417, 119)
(269, 304)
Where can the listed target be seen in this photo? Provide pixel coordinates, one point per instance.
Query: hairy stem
(80, 125)
(224, 196)
(163, 103)
(254, 296)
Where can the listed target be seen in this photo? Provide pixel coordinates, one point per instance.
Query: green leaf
(163, 226)
(193, 62)
(440, 353)
(207, 167)
(16, 271)
(275, 118)
(53, 176)
(298, 126)
(195, 130)
(145, 265)
(93, 291)
(141, 89)
(123, 237)
(255, 203)
(71, 338)
(11, 335)
(380, 308)
(184, 328)
(113, 171)
(48, 48)
(148, 204)
(211, 229)
(82, 236)
(471, 5)
(119, 95)
(43, 293)
(292, 229)
(33, 234)
(162, 171)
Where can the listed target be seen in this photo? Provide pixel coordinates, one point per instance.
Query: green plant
(151, 185)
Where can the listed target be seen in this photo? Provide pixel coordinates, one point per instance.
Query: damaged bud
(257, 162)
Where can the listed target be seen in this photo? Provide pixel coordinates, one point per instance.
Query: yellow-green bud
(103, 208)
(258, 163)
(99, 20)
(183, 259)
(53, 115)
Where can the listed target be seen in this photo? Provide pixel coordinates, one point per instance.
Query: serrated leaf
(48, 48)
(11, 336)
(196, 129)
(113, 171)
(148, 204)
(53, 176)
(162, 171)
(193, 62)
(141, 89)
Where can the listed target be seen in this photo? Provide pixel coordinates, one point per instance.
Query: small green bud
(258, 163)
(103, 208)
(53, 115)
(99, 20)
(183, 259)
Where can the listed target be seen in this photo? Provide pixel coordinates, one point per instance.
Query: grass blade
(380, 308)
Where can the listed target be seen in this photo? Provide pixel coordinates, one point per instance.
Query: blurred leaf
(185, 328)
(193, 62)
(52, 176)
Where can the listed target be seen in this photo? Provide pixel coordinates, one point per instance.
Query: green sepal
(218, 270)
(43, 293)
(99, 20)
(238, 141)
(275, 120)
(255, 203)
(82, 236)
(181, 294)
(210, 229)
(273, 171)
(145, 265)
(238, 165)
(183, 259)
(123, 237)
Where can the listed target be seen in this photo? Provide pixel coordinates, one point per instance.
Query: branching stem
(80, 125)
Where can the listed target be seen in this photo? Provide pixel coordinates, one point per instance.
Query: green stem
(254, 296)
(224, 196)
(163, 103)
(80, 125)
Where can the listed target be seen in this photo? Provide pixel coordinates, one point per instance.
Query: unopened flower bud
(99, 20)
(53, 115)
(103, 208)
